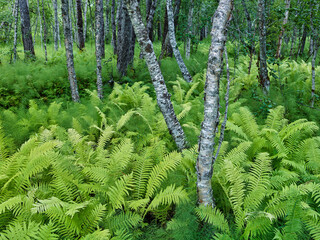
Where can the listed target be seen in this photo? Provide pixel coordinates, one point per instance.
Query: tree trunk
(99, 48)
(166, 49)
(211, 104)
(114, 28)
(56, 25)
(185, 73)
(16, 6)
(303, 40)
(80, 25)
(263, 68)
(126, 40)
(313, 89)
(150, 17)
(285, 20)
(106, 26)
(163, 96)
(44, 33)
(85, 21)
(39, 16)
(69, 50)
(26, 29)
(190, 19)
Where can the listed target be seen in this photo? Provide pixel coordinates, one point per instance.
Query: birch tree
(16, 6)
(85, 20)
(69, 50)
(185, 73)
(211, 105)
(56, 25)
(26, 29)
(99, 49)
(163, 96)
(190, 18)
(44, 33)
(263, 68)
(113, 27)
(285, 21)
(80, 24)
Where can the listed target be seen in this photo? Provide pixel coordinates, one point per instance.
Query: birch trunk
(150, 17)
(185, 73)
(85, 21)
(44, 33)
(80, 24)
(211, 104)
(15, 30)
(56, 25)
(263, 68)
(163, 96)
(126, 40)
(26, 29)
(106, 27)
(313, 89)
(69, 50)
(99, 48)
(39, 16)
(190, 18)
(285, 21)
(114, 29)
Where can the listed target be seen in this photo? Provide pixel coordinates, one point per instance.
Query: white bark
(85, 20)
(163, 96)
(211, 104)
(285, 20)
(185, 73)
(56, 25)
(190, 18)
(99, 48)
(15, 30)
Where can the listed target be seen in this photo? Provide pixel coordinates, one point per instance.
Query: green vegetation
(108, 169)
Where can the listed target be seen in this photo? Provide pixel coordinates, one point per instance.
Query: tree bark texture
(211, 112)
(80, 24)
(26, 29)
(150, 17)
(99, 41)
(69, 50)
(106, 25)
(185, 73)
(285, 21)
(263, 68)
(56, 25)
(126, 40)
(190, 19)
(85, 20)
(163, 96)
(16, 6)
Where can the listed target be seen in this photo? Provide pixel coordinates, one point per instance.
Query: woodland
(159, 119)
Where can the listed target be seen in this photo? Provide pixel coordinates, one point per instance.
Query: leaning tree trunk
(126, 40)
(211, 104)
(263, 68)
(56, 25)
(185, 73)
(151, 13)
(80, 25)
(69, 50)
(113, 27)
(99, 48)
(163, 96)
(285, 20)
(190, 18)
(44, 33)
(26, 29)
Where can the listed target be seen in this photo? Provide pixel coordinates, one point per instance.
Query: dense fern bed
(110, 170)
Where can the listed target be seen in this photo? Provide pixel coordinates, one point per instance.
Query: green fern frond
(275, 118)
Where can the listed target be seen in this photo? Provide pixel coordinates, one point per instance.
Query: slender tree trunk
(150, 17)
(44, 33)
(313, 89)
(99, 49)
(190, 19)
(166, 49)
(211, 104)
(185, 73)
(106, 29)
(16, 6)
(39, 17)
(85, 21)
(163, 96)
(69, 50)
(114, 28)
(303, 40)
(80, 25)
(263, 68)
(26, 29)
(285, 20)
(126, 40)
(56, 25)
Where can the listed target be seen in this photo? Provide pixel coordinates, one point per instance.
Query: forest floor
(114, 161)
